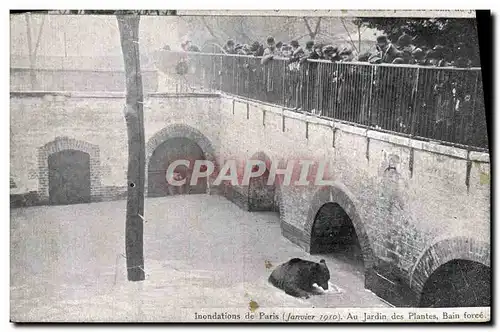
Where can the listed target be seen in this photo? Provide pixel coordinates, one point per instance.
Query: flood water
(201, 251)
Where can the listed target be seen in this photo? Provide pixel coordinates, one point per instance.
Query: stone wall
(414, 205)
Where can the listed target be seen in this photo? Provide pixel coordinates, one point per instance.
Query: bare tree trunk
(30, 52)
(33, 51)
(129, 37)
(311, 33)
(318, 24)
(349, 35)
(314, 33)
(359, 38)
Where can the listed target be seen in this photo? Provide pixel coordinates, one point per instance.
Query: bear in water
(297, 276)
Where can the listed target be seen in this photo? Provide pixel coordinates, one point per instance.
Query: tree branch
(210, 30)
(311, 34)
(28, 31)
(348, 34)
(316, 30)
(39, 37)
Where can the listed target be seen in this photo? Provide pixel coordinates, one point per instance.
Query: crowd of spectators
(380, 97)
(403, 51)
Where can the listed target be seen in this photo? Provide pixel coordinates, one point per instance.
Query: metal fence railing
(444, 104)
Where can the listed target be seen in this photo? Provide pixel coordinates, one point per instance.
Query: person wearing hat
(293, 75)
(398, 61)
(440, 55)
(271, 46)
(331, 53)
(297, 51)
(229, 47)
(237, 48)
(286, 51)
(387, 51)
(346, 55)
(405, 43)
(435, 58)
(257, 49)
(317, 52)
(309, 48)
(270, 51)
(418, 57)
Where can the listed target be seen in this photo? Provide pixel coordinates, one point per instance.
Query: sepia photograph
(223, 166)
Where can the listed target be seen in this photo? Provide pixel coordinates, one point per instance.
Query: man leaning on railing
(270, 52)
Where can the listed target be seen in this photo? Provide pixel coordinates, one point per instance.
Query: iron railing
(442, 104)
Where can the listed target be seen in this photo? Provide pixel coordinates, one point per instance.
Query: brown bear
(297, 276)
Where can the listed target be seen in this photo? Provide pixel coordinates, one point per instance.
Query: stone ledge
(483, 157)
(294, 235)
(386, 137)
(351, 129)
(109, 94)
(183, 95)
(68, 94)
(395, 293)
(35, 198)
(431, 146)
(307, 117)
(79, 70)
(438, 148)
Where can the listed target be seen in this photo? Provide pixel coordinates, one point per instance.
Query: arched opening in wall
(261, 196)
(69, 177)
(178, 148)
(458, 283)
(333, 233)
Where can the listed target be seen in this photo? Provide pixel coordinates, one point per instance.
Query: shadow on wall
(333, 233)
(258, 195)
(174, 149)
(458, 283)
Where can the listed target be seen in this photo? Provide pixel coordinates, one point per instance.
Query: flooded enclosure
(201, 251)
(333, 234)
(458, 283)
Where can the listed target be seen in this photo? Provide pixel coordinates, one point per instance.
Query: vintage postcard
(248, 166)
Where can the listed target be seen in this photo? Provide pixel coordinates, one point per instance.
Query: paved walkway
(200, 251)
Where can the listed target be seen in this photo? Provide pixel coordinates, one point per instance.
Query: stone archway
(69, 171)
(157, 154)
(342, 204)
(447, 265)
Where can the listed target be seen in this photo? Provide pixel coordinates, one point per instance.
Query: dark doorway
(333, 233)
(458, 283)
(169, 151)
(69, 177)
(261, 197)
